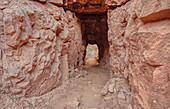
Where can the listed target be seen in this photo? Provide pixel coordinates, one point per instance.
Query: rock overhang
(81, 6)
(87, 6)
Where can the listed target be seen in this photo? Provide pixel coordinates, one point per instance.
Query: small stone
(79, 75)
(111, 88)
(56, 2)
(113, 80)
(75, 103)
(84, 72)
(108, 98)
(130, 106)
(90, 82)
(16, 91)
(121, 96)
(5, 3)
(76, 70)
(154, 101)
(117, 79)
(104, 91)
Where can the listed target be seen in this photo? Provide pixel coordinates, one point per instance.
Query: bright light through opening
(92, 55)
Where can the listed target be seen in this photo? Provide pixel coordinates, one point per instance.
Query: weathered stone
(104, 91)
(121, 96)
(115, 3)
(108, 98)
(75, 103)
(34, 39)
(139, 37)
(130, 106)
(111, 88)
(87, 6)
(76, 70)
(153, 10)
(57, 2)
(41, 44)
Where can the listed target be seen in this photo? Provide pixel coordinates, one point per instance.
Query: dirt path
(81, 92)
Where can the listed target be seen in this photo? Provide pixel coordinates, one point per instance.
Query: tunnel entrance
(94, 31)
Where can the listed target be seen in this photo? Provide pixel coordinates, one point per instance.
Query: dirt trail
(81, 92)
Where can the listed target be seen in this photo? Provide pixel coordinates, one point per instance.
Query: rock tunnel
(43, 44)
(94, 31)
(92, 16)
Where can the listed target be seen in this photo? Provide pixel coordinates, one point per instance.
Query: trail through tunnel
(94, 31)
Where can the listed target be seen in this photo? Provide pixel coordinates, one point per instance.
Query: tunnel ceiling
(94, 27)
(86, 6)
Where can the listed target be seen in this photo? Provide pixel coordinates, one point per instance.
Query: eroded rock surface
(34, 38)
(139, 47)
(41, 45)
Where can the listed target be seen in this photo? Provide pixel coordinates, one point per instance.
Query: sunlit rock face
(35, 41)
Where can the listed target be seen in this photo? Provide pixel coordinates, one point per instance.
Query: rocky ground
(83, 92)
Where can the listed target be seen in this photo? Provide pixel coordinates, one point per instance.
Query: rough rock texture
(115, 3)
(80, 6)
(139, 39)
(41, 45)
(34, 38)
(57, 2)
(75, 46)
(118, 90)
(152, 10)
(86, 6)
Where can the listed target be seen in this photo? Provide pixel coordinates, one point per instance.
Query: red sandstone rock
(42, 0)
(34, 37)
(57, 2)
(115, 2)
(139, 50)
(41, 44)
(152, 10)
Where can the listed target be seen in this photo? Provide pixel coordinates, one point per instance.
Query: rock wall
(36, 41)
(41, 45)
(139, 39)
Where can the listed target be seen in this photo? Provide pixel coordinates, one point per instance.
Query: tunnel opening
(94, 30)
(91, 56)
